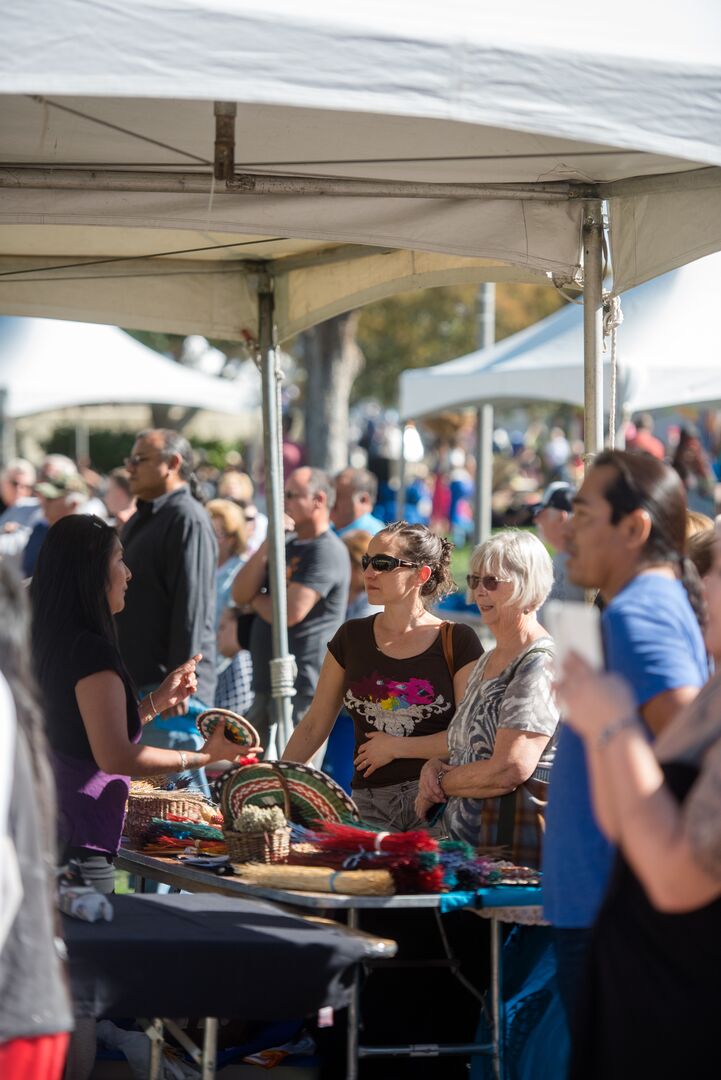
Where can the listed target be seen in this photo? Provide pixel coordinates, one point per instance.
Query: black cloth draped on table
(205, 955)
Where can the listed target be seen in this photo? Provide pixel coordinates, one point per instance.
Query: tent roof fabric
(408, 91)
(47, 365)
(667, 354)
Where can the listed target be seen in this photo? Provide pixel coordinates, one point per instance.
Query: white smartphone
(574, 627)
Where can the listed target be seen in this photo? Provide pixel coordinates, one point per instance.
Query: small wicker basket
(262, 847)
(143, 806)
(272, 846)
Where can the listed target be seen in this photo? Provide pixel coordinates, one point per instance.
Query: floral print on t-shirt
(392, 706)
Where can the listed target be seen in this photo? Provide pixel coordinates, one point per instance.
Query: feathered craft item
(416, 861)
(169, 836)
(464, 869)
(332, 836)
(410, 857)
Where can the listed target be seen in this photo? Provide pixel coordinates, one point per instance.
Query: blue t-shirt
(651, 638)
(367, 522)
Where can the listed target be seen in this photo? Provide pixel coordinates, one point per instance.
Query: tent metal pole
(593, 327)
(270, 378)
(484, 420)
(199, 183)
(484, 472)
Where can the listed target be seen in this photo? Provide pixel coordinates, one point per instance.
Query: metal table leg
(210, 1048)
(351, 1071)
(497, 1002)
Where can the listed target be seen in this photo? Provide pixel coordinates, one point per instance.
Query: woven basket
(258, 847)
(143, 807)
(262, 847)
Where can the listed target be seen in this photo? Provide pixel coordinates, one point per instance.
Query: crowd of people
(153, 604)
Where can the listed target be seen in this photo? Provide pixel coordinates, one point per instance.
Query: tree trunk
(333, 360)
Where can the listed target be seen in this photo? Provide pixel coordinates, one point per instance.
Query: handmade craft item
(260, 834)
(168, 836)
(146, 802)
(410, 857)
(464, 869)
(237, 729)
(319, 879)
(313, 796)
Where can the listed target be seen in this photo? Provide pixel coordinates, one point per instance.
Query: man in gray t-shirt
(318, 577)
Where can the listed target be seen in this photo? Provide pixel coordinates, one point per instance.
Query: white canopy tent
(459, 130)
(46, 365)
(668, 353)
(221, 167)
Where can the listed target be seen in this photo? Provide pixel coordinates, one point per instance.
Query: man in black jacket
(169, 614)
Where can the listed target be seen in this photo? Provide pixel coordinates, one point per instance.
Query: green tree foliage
(419, 329)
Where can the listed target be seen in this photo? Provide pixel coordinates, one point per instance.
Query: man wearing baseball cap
(550, 517)
(59, 496)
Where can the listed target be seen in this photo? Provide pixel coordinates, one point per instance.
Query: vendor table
(499, 904)
(211, 956)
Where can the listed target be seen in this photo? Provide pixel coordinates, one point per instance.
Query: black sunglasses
(384, 563)
(489, 582)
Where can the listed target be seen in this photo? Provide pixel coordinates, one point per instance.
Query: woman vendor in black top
(93, 717)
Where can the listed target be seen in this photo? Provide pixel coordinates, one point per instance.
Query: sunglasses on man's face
(384, 563)
(489, 582)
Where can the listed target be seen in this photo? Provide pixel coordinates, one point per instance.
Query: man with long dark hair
(171, 550)
(627, 539)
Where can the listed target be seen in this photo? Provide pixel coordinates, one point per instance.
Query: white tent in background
(47, 365)
(455, 141)
(668, 353)
(380, 147)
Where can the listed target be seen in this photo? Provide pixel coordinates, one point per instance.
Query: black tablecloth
(207, 955)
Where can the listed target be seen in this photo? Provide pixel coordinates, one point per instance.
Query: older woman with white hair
(501, 738)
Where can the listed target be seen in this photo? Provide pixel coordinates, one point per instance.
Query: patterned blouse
(521, 698)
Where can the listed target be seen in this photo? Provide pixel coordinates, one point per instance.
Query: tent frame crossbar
(29, 177)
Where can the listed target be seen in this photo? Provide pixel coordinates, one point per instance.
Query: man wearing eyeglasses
(169, 614)
(318, 580)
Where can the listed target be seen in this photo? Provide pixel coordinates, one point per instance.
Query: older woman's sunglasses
(489, 582)
(384, 563)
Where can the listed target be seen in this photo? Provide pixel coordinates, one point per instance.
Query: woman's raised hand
(378, 751)
(590, 701)
(172, 694)
(218, 747)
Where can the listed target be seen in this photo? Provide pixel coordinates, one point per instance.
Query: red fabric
(34, 1059)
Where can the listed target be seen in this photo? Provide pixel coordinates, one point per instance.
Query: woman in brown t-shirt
(393, 675)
